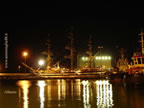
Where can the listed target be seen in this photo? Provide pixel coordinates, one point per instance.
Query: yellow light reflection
(77, 88)
(61, 90)
(72, 88)
(104, 94)
(86, 94)
(25, 86)
(49, 87)
(41, 85)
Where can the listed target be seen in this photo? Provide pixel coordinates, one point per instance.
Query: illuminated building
(97, 61)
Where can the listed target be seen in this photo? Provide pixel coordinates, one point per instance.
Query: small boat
(134, 72)
(137, 64)
(136, 68)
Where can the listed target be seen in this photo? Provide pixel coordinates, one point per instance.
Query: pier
(30, 76)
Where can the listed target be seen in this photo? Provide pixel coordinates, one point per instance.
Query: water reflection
(61, 89)
(41, 85)
(69, 92)
(104, 94)
(86, 94)
(24, 85)
(77, 89)
(48, 89)
(75, 93)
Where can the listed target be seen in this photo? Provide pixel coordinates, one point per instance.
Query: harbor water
(70, 93)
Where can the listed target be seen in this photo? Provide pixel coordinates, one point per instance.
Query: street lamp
(25, 54)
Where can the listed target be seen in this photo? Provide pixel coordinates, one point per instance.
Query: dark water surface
(75, 93)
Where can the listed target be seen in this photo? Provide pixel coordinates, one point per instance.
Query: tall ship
(137, 64)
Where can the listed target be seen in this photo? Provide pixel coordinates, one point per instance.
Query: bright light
(25, 54)
(106, 57)
(24, 85)
(85, 82)
(96, 58)
(103, 58)
(104, 94)
(109, 58)
(102, 82)
(41, 62)
(84, 58)
(41, 85)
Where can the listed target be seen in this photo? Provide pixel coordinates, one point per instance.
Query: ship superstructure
(122, 63)
(137, 64)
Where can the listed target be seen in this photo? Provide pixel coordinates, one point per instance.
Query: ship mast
(90, 51)
(142, 42)
(49, 59)
(71, 48)
(122, 53)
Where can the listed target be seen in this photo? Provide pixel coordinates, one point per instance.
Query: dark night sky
(114, 28)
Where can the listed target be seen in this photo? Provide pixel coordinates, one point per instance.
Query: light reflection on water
(76, 93)
(41, 85)
(48, 90)
(104, 94)
(88, 93)
(61, 92)
(24, 85)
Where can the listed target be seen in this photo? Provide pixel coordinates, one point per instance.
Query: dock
(30, 76)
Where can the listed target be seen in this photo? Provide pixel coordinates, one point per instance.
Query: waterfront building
(97, 61)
